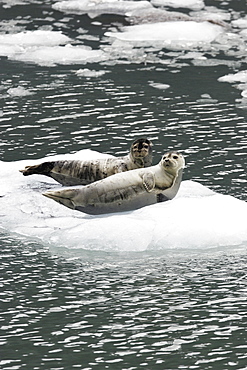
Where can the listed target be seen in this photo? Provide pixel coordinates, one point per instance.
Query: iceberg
(197, 218)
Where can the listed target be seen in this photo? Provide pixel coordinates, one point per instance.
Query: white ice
(180, 34)
(197, 218)
(241, 79)
(38, 37)
(234, 77)
(159, 86)
(68, 54)
(85, 72)
(192, 4)
(19, 91)
(98, 7)
(47, 48)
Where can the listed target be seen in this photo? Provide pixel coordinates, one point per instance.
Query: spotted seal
(78, 172)
(127, 190)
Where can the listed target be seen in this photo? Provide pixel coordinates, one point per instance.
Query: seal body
(127, 190)
(77, 172)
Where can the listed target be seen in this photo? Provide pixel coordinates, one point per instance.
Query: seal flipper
(38, 169)
(171, 192)
(148, 181)
(64, 197)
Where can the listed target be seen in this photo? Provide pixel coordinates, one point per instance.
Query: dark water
(63, 309)
(116, 312)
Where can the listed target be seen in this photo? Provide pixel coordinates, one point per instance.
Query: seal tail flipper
(38, 169)
(64, 197)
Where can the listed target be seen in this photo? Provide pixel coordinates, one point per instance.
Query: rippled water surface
(71, 81)
(121, 311)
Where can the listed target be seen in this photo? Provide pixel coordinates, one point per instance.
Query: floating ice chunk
(98, 7)
(159, 86)
(9, 3)
(38, 37)
(240, 23)
(42, 47)
(50, 56)
(179, 34)
(192, 4)
(244, 93)
(234, 77)
(197, 218)
(19, 91)
(90, 73)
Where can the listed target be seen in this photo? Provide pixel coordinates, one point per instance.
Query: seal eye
(175, 157)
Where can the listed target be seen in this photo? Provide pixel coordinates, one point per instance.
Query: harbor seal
(126, 191)
(79, 172)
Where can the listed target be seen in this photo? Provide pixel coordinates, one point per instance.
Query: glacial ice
(179, 34)
(197, 218)
(191, 4)
(98, 7)
(47, 48)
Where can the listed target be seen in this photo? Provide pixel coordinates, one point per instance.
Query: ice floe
(235, 77)
(19, 91)
(47, 48)
(68, 54)
(158, 85)
(197, 218)
(192, 4)
(180, 34)
(90, 73)
(37, 37)
(98, 7)
(241, 79)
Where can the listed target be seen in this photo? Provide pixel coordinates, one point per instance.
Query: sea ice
(234, 77)
(38, 37)
(90, 73)
(196, 218)
(158, 85)
(47, 48)
(180, 34)
(19, 91)
(192, 4)
(68, 54)
(98, 7)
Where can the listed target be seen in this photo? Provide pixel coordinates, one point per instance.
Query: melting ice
(151, 26)
(47, 48)
(171, 34)
(197, 218)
